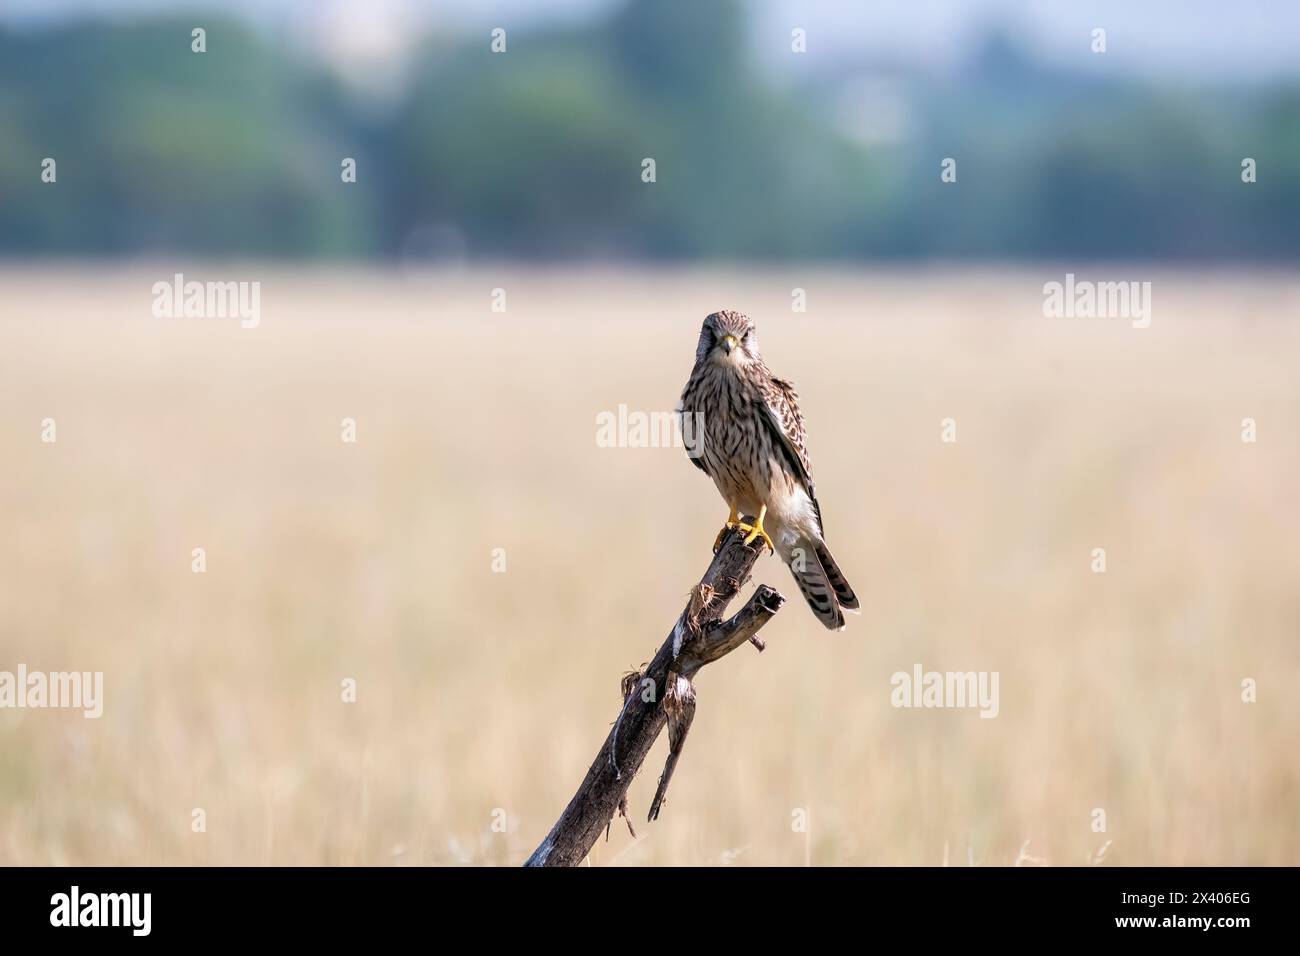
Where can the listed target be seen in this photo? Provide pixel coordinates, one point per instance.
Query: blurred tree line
(537, 152)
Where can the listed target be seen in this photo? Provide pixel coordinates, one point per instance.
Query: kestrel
(753, 447)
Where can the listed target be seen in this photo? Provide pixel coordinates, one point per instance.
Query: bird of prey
(753, 447)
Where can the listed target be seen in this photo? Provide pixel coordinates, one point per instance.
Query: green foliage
(538, 152)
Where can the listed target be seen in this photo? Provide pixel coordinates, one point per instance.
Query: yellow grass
(481, 692)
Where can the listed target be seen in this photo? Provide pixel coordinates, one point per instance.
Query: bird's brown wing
(780, 410)
(696, 460)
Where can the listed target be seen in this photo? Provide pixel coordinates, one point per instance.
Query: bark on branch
(662, 694)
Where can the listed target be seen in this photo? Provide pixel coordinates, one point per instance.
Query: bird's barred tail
(816, 585)
(843, 591)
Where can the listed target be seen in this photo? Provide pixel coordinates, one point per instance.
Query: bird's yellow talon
(756, 531)
(733, 521)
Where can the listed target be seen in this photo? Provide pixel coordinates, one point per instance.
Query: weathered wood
(662, 693)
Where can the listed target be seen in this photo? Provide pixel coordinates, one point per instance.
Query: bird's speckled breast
(738, 449)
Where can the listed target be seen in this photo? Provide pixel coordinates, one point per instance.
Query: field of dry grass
(482, 693)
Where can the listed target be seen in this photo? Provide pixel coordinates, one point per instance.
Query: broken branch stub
(662, 694)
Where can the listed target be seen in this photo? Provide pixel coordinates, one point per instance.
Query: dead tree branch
(662, 694)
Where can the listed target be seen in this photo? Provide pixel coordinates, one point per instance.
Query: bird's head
(728, 338)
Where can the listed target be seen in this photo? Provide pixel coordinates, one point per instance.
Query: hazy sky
(1183, 38)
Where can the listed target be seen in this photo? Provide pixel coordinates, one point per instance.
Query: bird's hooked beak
(728, 343)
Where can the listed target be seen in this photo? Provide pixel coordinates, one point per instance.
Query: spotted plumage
(750, 440)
